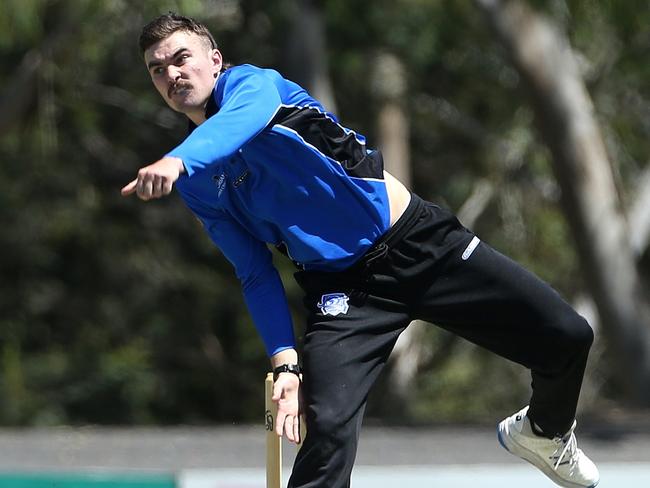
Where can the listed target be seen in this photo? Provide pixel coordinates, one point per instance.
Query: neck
(198, 117)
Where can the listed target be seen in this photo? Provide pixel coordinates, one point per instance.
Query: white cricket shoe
(558, 458)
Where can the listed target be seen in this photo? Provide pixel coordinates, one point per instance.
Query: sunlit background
(118, 313)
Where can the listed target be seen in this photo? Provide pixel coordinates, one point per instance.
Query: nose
(173, 72)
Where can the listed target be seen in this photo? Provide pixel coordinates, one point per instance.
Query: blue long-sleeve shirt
(270, 165)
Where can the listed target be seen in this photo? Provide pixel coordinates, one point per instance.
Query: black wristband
(287, 368)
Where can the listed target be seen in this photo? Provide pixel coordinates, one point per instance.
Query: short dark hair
(165, 25)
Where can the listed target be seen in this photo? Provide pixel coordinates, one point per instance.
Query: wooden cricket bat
(273, 441)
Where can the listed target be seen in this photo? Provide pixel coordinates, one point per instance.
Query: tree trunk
(20, 91)
(389, 87)
(307, 53)
(639, 215)
(591, 204)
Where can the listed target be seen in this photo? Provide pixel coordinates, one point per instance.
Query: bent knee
(577, 334)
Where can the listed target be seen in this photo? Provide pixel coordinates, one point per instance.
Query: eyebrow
(154, 63)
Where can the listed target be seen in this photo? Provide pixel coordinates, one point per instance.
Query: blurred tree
(565, 113)
(390, 90)
(112, 311)
(306, 46)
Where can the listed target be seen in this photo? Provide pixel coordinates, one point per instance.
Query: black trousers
(428, 267)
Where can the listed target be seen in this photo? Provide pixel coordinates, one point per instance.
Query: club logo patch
(334, 304)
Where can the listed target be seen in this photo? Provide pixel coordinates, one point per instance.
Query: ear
(217, 61)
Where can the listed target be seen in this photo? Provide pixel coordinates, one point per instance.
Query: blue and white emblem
(334, 304)
(220, 182)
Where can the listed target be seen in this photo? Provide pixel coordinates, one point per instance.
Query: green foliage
(449, 394)
(114, 311)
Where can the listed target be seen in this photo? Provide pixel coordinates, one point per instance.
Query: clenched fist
(155, 180)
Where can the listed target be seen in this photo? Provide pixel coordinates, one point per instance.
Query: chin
(182, 107)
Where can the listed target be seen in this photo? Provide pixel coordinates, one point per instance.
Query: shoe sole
(513, 448)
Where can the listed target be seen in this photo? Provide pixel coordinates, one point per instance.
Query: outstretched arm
(250, 101)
